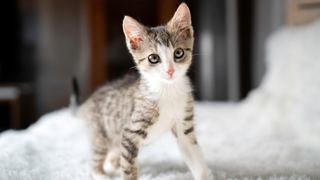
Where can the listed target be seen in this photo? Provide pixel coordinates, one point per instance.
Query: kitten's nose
(170, 72)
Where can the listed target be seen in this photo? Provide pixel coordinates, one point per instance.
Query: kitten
(130, 113)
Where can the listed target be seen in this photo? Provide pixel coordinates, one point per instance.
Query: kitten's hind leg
(102, 157)
(99, 145)
(99, 152)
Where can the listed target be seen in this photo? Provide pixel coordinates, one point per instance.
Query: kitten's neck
(159, 89)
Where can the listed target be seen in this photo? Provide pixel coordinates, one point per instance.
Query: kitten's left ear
(181, 21)
(134, 31)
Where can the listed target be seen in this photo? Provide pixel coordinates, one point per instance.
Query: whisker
(192, 71)
(133, 67)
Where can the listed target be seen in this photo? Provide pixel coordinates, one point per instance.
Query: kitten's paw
(110, 169)
(111, 164)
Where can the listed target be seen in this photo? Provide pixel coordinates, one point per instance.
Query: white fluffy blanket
(272, 135)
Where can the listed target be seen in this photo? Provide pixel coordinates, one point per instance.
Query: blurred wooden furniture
(10, 94)
(301, 12)
(166, 9)
(98, 41)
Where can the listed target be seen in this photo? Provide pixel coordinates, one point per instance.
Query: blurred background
(47, 42)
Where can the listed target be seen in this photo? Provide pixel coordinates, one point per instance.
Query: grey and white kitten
(135, 111)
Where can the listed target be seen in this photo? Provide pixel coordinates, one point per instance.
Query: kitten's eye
(154, 59)
(178, 53)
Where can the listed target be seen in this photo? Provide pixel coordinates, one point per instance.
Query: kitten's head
(163, 52)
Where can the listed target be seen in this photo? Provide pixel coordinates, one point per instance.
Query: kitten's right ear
(134, 31)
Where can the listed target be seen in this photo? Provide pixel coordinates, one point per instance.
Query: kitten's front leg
(145, 115)
(132, 135)
(129, 151)
(190, 149)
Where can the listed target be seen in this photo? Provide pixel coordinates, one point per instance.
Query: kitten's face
(164, 52)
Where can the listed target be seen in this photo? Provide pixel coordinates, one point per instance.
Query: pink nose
(170, 72)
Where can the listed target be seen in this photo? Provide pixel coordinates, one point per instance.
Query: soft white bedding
(57, 147)
(274, 134)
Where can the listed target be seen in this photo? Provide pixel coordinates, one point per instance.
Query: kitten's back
(112, 104)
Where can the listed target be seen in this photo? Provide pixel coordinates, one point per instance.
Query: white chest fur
(172, 99)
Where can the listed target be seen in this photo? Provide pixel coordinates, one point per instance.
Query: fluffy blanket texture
(273, 135)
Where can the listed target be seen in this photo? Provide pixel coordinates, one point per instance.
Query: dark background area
(49, 42)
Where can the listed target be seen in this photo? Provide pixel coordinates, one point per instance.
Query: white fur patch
(172, 98)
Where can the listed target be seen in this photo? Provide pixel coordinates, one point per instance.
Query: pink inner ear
(182, 27)
(134, 42)
(134, 32)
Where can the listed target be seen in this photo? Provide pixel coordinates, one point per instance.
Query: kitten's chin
(169, 79)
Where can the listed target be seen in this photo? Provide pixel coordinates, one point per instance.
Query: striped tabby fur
(134, 111)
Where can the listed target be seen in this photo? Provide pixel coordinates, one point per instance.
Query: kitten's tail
(74, 98)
